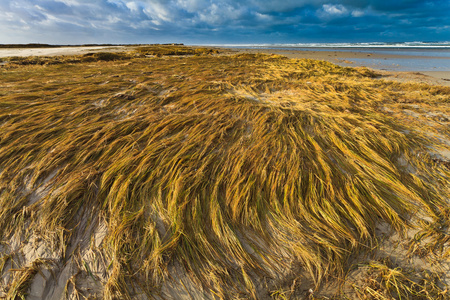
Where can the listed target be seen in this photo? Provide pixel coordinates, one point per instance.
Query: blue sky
(222, 21)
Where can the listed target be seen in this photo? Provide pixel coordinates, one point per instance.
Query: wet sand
(324, 54)
(344, 58)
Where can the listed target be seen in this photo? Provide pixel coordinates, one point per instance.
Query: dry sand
(7, 52)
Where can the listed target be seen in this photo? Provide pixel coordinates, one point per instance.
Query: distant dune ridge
(170, 172)
(38, 45)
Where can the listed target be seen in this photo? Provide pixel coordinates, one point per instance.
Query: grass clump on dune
(386, 281)
(232, 169)
(167, 50)
(132, 52)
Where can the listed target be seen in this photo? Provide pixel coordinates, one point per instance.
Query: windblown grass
(233, 166)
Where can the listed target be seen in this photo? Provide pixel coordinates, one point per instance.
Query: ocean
(409, 56)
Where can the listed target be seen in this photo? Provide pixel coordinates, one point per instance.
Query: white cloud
(133, 6)
(69, 2)
(113, 19)
(358, 13)
(337, 10)
(193, 6)
(217, 14)
(158, 11)
(264, 17)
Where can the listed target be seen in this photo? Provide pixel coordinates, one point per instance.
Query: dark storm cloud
(222, 21)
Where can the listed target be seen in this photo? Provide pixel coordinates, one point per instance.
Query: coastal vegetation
(168, 171)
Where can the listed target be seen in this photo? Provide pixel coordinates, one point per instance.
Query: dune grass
(233, 166)
(128, 53)
(386, 281)
(165, 50)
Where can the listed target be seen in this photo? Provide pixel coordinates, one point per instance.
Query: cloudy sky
(222, 21)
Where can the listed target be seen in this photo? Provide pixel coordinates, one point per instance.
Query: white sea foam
(445, 44)
(409, 56)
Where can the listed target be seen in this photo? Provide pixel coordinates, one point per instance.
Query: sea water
(410, 56)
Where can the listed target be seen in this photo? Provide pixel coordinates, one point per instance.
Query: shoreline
(344, 58)
(348, 58)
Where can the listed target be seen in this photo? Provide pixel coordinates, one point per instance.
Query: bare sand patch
(23, 52)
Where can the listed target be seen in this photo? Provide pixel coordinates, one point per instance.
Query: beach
(176, 172)
(407, 67)
(57, 51)
(393, 64)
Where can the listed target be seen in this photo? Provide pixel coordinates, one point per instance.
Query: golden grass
(386, 281)
(231, 165)
(23, 277)
(132, 52)
(163, 50)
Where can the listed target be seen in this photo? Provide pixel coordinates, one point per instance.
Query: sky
(222, 21)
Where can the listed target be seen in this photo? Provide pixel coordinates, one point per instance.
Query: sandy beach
(342, 57)
(23, 52)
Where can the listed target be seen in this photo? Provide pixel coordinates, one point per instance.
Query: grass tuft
(385, 281)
